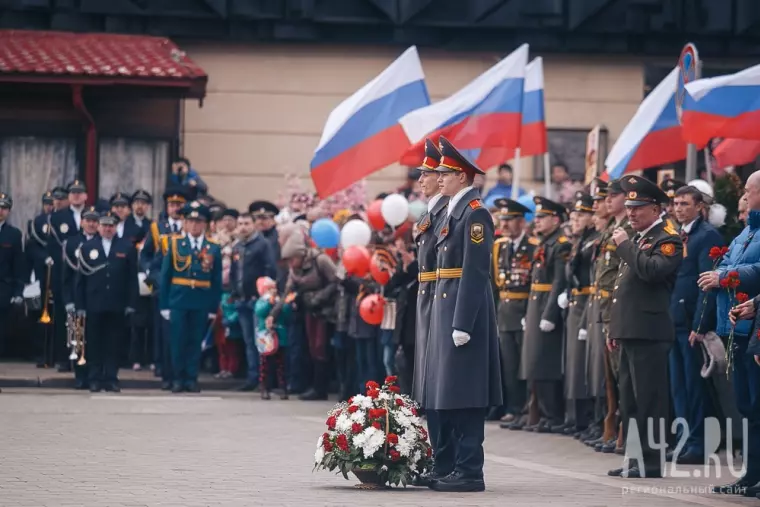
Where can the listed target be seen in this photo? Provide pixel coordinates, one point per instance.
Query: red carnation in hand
(742, 297)
(374, 393)
(372, 385)
(392, 438)
(342, 442)
(715, 253)
(724, 283)
(391, 379)
(356, 428)
(376, 425)
(331, 422)
(352, 409)
(723, 251)
(399, 402)
(395, 455)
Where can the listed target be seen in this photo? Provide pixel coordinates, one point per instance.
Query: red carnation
(399, 402)
(395, 455)
(392, 438)
(377, 413)
(394, 389)
(724, 283)
(733, 274)
(429, 452)
(351, 400)
(352, 409)
(424, 433)
(371, 385)
(414, 411)
(331, 422)
(356, 428)
(715, 253)
(724, 251)
(742, 297)
(374, 393)
(376, 425)
(325, 437)
(391, 379)
(328, 447)
(342, 442)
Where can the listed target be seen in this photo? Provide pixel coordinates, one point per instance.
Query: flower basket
(378, 437)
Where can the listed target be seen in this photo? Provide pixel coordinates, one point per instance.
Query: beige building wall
(266, 106)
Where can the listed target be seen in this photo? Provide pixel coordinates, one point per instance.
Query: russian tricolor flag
(484, 114)
(732, 152)
(362, 135)
(533, 131)
(724, 106)
(652, 137)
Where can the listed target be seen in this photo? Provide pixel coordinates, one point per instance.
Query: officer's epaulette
(476, 203)
(534, 241)
(562, 239)
(669, 228)
(502, 239)
(212, 240)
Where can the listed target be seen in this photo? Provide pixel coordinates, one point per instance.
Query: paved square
(60, 448)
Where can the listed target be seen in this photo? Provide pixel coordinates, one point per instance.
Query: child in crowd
(268, 296)
(227, 336)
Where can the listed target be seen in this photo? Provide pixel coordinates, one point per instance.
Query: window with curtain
(127, 165)
(30, 166)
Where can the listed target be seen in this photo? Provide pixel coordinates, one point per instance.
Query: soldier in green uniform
(670, 187)
(191, 281)
(641, 327)
(541, 360)
(512, 258)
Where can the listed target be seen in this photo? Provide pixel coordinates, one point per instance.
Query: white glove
(165, 314)
(582, 335)
(49, 261)
(522, 323)
(546, 326)
(211, 316)
(17, 300)
(562, 300)
(70, 308)
(460, 337)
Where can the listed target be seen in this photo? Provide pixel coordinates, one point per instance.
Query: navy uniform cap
(91, 213)
(546, 206)
(640, 191)
(175, 194)
(77, 186)
(108, 218)
(47, 197)
(142, 195)
(196, 211)
(453, 161)
(119, 199)
(59, 193)
(231, 212)
(583, 202)
(598, 189)
(509, 209)
(670, 186)
(432, 157)
(5, 200)
(264, 208)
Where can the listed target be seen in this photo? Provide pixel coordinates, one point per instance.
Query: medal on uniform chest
(207, 260)
(93, 254)
(64, 228)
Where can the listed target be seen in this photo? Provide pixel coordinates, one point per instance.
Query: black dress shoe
(691, 458)
(560, 428)
(609, 447)
(635, 473)
(495, 414)
(739, 487)
(593, 442)
(456, 482)
(192, 387)
(81, 385)
(166, 386)
(620, 451)
(534, 427)
(427, 478)
(313, 395)
(94, 387)
(571, 431)
(177, 387)
(112, 388)
(247, 387)
(616, 472)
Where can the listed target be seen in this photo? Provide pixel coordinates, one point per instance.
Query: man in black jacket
(11, 267)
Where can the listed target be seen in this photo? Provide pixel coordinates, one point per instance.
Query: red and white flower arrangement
(380, 432)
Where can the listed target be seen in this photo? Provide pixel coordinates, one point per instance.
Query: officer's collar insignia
(476, 233)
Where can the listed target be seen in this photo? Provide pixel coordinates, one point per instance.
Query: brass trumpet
(45, 317)
(75, 335)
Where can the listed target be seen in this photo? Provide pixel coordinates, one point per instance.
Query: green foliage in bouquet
(728, 190)
(377, 436)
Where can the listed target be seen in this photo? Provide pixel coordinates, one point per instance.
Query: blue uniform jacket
(11, 264)
(70, 266)
(743, 256)
(191, 280)
(686, 303)
(61, 226)
(112, 287)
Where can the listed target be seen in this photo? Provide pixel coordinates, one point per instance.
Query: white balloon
(355, 232)
(395, 210)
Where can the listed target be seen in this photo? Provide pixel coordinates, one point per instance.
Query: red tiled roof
(145, 60)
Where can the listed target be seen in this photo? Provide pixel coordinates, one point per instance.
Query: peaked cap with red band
(453, 161)
(432, 157)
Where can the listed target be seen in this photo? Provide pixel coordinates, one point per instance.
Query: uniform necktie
(174, 227)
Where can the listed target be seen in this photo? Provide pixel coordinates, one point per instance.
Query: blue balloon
(527, 201)
(325, 233)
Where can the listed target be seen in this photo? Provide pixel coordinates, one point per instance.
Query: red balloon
(375, 215)
(332, 253)
(379, 270)
(371, 309)
(356, 260)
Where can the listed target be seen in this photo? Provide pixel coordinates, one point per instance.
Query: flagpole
(547, 176)
(516, 175)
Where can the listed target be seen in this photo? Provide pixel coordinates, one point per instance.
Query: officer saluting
(427, 228)
(512, 258)
(541, 362)
(463, 377)
(640, 322)
(106, 293)
(191, 289)
(11, 266)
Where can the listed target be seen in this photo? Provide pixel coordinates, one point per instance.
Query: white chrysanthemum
(405, 444)
(417, 456)
(343, 424)
(369, 441)
(319, 455)
(364, 402)
(384, 396)
(359, 417)
(383, 468)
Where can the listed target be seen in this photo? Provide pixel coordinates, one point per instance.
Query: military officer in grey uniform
(427, 229)
(512, 258)
(463, 377)
(541, 361)
(640, 322)
(578, 405)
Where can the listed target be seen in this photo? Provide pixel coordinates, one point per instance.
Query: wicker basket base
(369, 479)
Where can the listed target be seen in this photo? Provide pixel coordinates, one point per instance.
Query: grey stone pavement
(138, 448)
